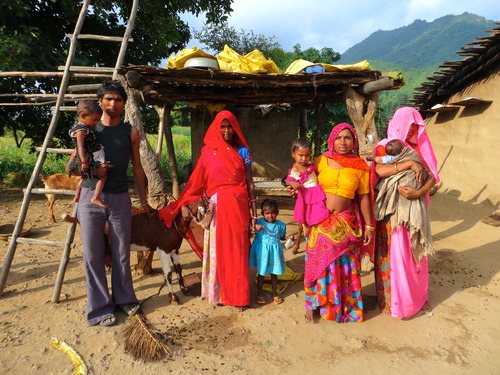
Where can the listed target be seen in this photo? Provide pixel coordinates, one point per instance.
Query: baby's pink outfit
(310, 207)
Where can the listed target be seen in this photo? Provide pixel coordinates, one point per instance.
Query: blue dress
(266, 253)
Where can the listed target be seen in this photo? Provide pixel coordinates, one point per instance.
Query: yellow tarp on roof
(299, 65)
(253, 62)
(229, 61)
(178, 61)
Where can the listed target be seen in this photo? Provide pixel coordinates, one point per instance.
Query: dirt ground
(461, 337)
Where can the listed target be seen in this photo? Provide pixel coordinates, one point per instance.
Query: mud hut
(462, 103)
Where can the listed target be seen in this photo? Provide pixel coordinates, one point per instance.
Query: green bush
(22, 160)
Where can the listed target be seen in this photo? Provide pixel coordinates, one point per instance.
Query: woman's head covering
(197, 184)
(398, 128)
(213, 136)
(333, 136)
(350, 160)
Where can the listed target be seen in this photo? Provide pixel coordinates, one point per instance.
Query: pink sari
(402, 285)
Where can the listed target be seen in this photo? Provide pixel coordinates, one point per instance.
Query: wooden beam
(61, 151)
(89, 69)
(51, 74)
(384, 83)
(103, 38)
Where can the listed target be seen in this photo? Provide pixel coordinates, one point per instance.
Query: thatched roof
(214, 86)
(482, 58)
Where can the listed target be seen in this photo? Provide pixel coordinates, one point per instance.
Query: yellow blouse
(343, 182)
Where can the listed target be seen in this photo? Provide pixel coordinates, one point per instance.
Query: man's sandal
(108, 320)
(130, 309)
(277, 300)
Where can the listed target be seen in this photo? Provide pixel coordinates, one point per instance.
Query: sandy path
(461, 337)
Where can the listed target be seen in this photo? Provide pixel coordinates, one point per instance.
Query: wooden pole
(317, 131)
(302, 121)
(172, 159)
(126, 36)
(63, 264)
(161, 128)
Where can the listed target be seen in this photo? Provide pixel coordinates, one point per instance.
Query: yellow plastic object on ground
(178, 61)
(80, 368)
(299, 65)
(284, 281)
(253, 62)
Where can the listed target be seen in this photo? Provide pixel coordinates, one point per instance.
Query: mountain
(417, 50)
(422, 44)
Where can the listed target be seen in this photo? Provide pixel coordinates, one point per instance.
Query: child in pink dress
(310, 208)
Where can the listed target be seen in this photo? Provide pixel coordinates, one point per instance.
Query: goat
(58, 181)
(151, 234)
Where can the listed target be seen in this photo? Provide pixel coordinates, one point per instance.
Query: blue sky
(339, 24)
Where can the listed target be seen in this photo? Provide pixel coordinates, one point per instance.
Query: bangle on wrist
(396, 167)
(253, 200)
(370, 228)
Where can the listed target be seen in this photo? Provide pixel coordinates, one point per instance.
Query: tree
(216, 36)
(326, 55)
(32, 38)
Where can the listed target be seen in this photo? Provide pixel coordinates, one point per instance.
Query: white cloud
(340, 24)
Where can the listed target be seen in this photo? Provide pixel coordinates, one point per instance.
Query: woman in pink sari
(401, 271)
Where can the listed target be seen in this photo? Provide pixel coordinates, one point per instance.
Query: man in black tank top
(121, 144)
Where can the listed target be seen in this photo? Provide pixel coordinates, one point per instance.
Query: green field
(16, 164)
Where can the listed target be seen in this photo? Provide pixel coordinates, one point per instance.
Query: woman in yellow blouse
(332, 270)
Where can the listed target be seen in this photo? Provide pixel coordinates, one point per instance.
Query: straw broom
(141, 341)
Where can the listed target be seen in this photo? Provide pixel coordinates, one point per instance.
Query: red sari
(221, 170)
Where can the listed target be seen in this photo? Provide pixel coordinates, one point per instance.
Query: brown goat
(151, 234)
(58, 181)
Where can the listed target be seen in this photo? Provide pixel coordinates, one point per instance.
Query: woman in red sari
(223, 173)
(332, 271)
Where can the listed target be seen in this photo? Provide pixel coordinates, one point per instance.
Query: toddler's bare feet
(309, 316)
(99, 202)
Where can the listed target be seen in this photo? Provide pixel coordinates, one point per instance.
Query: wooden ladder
(63, 89)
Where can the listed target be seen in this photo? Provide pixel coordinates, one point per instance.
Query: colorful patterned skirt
(336, 291)
(383, 265)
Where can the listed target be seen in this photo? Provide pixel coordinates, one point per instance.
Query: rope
(157, 293)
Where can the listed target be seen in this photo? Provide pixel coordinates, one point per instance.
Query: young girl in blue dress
(266, 254)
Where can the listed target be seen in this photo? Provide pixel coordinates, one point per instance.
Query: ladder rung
(52, 191)
(100, 37)
(88, 69)
(89, 87)
(34, 241)
(64, 151)
(66, 108)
